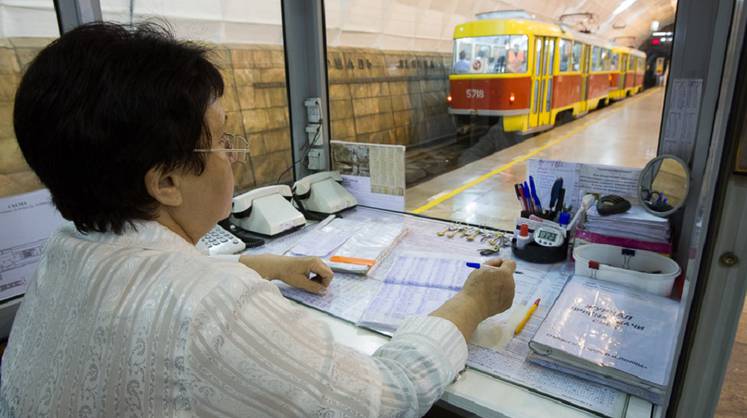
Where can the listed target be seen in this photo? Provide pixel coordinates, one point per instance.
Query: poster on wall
(27, 220)
(373, 173)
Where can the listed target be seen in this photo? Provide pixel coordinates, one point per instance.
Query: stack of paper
(612, 335)
(352, 246)
(635, 224)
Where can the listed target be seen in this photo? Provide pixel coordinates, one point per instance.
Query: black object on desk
(535, 253)
(251, 240)
(612, 204)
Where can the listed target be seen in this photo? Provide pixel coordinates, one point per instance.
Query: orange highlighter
(526, 317)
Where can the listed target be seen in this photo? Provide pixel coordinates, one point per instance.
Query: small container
(524, 238)
(638, 269)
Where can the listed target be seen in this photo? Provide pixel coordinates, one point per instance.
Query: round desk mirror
(664, 184)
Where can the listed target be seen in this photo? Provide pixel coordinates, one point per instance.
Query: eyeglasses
(234, 146)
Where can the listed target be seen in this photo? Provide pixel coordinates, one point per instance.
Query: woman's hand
(307, 273)
(487, 291)
(492, 288)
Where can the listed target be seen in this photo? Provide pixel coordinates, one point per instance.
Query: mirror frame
(687, 184)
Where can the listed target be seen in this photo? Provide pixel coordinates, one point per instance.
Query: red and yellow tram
(528, 73)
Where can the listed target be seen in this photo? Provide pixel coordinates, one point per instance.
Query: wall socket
(317, 159)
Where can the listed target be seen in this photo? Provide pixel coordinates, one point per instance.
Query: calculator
(219, 241)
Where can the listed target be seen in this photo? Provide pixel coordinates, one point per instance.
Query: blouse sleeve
(251, 352)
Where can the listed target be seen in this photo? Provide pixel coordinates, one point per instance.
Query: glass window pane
(605, 59)
(478, 108)
(613, 61)
(565, 55)
(596, 63)
(24, 31)
(248, 48)
(577, 50)
(490, 54)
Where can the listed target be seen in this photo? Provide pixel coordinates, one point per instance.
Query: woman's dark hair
(103, 104)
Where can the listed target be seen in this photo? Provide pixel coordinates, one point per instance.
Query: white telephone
(266, 210)
(323, 193)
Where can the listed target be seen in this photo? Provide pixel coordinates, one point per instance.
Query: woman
(125, 317)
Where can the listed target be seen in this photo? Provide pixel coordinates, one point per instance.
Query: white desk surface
(478, 392)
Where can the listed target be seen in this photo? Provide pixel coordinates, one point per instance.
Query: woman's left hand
(307, 273)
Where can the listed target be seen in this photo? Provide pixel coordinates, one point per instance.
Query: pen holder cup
(544, 214)
(535, 253)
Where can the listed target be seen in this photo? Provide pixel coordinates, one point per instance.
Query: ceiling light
(623, 6)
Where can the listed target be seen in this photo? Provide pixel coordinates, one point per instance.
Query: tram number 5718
(475, 93)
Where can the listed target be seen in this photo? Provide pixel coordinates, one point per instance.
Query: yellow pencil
(526, 317)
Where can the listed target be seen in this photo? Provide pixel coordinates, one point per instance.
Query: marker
(537, 203)
(478, 266)
(526, 317)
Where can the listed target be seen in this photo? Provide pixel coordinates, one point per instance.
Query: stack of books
(636, 229)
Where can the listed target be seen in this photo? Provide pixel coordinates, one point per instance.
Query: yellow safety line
(442, 197)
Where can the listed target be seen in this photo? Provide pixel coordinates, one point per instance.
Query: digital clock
(548, 236)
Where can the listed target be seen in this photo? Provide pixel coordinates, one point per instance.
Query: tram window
(483, 55)
(613, 61)
(631, 63)
(596, 61)
(462, 56)
(24, 31)
(605, 59)
(492, 54)
(576, 61)
(564, 48)
(517, 56)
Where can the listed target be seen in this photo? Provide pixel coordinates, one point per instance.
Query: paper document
(636, 223)
(428, 271)
(394, 303)
(26, 222)
(580, 179)
(346, 297)
(321, 242)
(612, 326)
(493, 349)
(373, 173)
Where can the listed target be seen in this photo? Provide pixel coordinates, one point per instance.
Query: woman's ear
(165, 187)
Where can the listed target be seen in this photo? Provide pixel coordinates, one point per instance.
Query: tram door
(624, 68)
(544, 59)
(585, 54)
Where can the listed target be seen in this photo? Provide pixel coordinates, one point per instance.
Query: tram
(526, 74)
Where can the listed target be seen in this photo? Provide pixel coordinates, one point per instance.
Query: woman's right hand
(492, 286)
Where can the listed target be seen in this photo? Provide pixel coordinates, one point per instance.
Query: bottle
(523, 239)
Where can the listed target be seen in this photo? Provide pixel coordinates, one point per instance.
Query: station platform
(625, 133)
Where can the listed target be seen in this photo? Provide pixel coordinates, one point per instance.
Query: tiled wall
(389, 97)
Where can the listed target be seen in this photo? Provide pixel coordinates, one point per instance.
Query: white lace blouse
(143, 324)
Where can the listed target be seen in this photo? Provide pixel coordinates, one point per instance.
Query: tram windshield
(490, 55)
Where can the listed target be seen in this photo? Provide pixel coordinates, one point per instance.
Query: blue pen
(478, 265)
(528, 196)
(537, 202)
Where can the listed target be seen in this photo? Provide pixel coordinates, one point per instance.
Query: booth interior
(423, 156)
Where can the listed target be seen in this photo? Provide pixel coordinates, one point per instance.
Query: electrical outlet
(317, 159)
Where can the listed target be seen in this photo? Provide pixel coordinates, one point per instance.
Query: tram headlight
(448, 98)
(511, 98)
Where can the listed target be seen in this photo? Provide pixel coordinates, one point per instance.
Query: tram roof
(523, 26)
